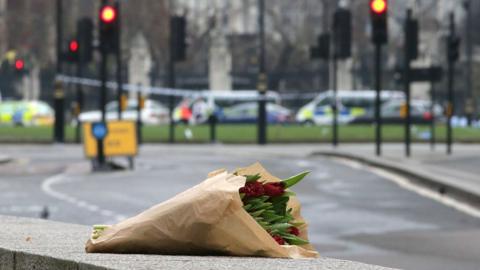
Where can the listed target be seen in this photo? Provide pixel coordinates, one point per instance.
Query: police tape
(187, 93)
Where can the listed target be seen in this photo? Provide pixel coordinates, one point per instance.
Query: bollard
(212, 120)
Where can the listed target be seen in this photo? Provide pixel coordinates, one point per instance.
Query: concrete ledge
(444, 185)
(39, 244)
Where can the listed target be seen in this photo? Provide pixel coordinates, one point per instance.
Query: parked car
(197, 108)
(247, 113)
(391, 113)
(26, 113)
(350, 104)
(153, 113)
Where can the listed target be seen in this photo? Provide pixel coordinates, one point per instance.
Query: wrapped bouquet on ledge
(245, 213)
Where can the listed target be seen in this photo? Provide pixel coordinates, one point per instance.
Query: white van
(350, 104)
(218, 99)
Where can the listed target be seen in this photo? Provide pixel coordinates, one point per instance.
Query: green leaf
(242, 196)
(294, 179)
(289, 193)
(252, 178)
(281, 226)
(260, 206)
(280, 204)
(256, 214)
(297, 223)
(247, 207)
(294, 240)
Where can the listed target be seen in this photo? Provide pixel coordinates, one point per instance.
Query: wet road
(353, 212)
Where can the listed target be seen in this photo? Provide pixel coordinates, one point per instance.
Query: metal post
(470, 101)
(139, 116)
(212, 119)
(79, 89)
(432, 112)
(262, 82)
(378, 88)
(119, 60)
(171, 84)
(58, 131)
(451, 68)
(103, 97)
(406, 78)
(334, 103)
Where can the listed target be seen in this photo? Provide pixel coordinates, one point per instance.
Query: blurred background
(202, 82)
(221, 56)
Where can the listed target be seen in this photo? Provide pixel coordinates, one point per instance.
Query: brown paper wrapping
(207, 219)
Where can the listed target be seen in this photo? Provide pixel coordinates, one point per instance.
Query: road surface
(354, 213)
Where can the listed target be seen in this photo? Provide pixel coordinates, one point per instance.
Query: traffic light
(453, 48)
(411, 41)
(322, 50)
(108, 18)
(342, 33)
(72, 51)
(178, 38)
(378, 14)
(19, 65)
(85, 39)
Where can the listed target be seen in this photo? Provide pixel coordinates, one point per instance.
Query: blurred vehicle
(350, 105)
(26, 113)
(391, 113)
(196, 109)
(247, 113)
(154, 113)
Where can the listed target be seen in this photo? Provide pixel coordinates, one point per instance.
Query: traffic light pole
(471, 101)
(59, 95)
(79, 73)
(118, 55)
(378, 88)
(103, 95)
(103, 101)
(451, 67)
(432, 112)
(334, 103)
(171, 84)
(139, 116)
(406, 78)
(262, 78)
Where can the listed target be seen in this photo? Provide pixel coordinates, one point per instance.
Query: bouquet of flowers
(267, 204)
(246, 213)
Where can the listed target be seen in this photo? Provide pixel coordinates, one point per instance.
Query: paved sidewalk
(38, 244)
(457, 173)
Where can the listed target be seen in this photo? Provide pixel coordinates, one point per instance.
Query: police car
(350, 105)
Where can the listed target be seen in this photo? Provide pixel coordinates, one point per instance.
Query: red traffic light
(73, 46)
(19, 64)
(378, 6)
(108, 14)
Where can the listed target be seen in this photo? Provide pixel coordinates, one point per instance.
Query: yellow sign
(121, 139)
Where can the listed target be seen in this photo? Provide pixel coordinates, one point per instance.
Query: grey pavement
(353, 213)
(458, 171)
(36, 244)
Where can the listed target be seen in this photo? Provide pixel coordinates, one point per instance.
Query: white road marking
(406, 184)
(47, 187)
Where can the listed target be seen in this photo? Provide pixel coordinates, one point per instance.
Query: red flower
(279, 239)
(274, 189)
(253, 189)
(294, 230)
